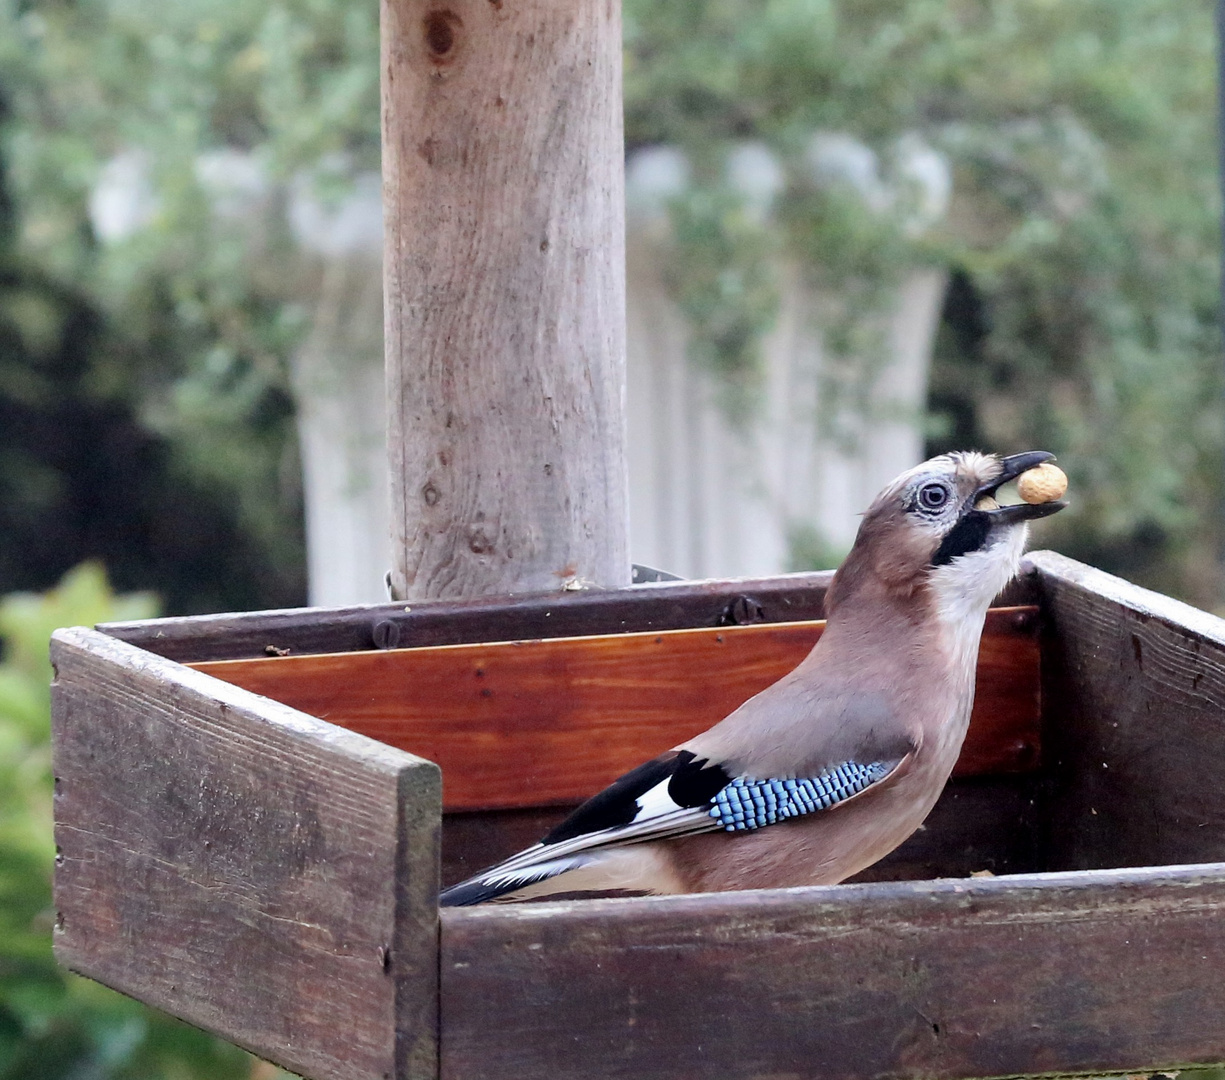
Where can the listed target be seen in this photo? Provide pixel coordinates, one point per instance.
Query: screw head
(386, 634)
(743, 611)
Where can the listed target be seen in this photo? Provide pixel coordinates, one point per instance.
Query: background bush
(146, 414)
(56, 1026)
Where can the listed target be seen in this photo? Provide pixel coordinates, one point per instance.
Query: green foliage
(809, 550)
(82, 477)
(722, 278)
(53, 1025)
(207, 300)
(1083, 225)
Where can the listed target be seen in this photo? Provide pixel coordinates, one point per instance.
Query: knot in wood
(479, 540)
(439, 28)
(1025, 754)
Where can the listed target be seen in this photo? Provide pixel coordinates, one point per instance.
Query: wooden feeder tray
(251, 824)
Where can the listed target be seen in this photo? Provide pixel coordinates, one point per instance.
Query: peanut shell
(1042, 484)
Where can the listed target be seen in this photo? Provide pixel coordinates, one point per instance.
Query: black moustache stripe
(969, 534)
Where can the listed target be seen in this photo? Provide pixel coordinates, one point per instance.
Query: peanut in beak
(1042, 484)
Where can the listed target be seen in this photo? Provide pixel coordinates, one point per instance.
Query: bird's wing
(676, 794)
(815, 719)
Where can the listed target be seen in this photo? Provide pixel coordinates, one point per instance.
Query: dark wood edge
(859, 902)
(1051, 566)
(369, 752)
(655, 606)
(415, 947)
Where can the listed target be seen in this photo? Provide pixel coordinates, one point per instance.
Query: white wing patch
(655, 803)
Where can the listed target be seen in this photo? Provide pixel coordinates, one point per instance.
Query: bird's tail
(635, 870)
(501, 883)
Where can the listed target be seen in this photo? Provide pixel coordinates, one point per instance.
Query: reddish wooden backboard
(535, 723)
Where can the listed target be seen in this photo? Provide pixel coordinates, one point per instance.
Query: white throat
(965, 587)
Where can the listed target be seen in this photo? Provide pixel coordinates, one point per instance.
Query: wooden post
(505, 295)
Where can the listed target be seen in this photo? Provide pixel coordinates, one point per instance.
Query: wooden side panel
(1135, 722)
(674, 605)
(552, 721)
(1096, 973)
(251, 869)
(671, 605)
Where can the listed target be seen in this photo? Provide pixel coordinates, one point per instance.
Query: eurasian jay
(834, 765)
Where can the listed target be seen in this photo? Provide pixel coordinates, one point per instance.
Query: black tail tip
(468, 893)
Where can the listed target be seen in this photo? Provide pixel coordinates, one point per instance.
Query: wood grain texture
(1134, 722)
(1102, 973)
(665, 606)
(552, 721)
(503, 163)
(251, 869)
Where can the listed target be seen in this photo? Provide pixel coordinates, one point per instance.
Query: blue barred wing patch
(750, 804)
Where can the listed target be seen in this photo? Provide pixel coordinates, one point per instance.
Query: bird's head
(937, 533)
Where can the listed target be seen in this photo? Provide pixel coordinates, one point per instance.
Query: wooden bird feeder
(253, 842)
(253, 812)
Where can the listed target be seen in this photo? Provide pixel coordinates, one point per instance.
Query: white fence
(709, 497)
(713, 498)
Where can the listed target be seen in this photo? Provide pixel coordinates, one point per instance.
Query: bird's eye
(933, 496)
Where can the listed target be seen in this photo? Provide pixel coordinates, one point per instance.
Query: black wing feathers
(691, 782)
(664, 799)
(695, 781)
(616, 804)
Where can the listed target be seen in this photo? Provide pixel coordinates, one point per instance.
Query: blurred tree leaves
(55, 1026)
(1082, 232)
(191, 318)
(81, 476)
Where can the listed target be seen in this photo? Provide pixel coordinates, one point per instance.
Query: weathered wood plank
(503, 176)
(1101, 972)
(241, 865)
(664, 606)
(1134, 735)
(552, 721)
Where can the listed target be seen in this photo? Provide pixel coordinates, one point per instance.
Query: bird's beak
(1011, 468)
